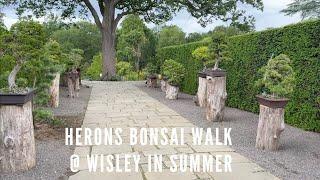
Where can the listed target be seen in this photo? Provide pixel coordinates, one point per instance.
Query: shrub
(151, 69)
(277, 77)
(123, 68)
(174, 71)
(43, 115)
(95, 69)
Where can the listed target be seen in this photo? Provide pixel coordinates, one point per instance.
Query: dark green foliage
(249, 52)
(174, 71)
(171, 35)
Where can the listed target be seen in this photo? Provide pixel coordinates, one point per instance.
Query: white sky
(270, 17)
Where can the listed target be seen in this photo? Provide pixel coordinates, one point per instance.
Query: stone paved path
(122, 104)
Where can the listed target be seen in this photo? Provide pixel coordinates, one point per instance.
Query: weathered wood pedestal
(201, 97)
(152, 81)
(216, 95)
(172, 92)
(54, 91)
(163, 85)
(271, 123)
(17, 145)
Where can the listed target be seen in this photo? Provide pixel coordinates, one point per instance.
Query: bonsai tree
(218, 48)
(23, 42)
(277, 79)
(174, 71)
(151, 69)
(202, 54)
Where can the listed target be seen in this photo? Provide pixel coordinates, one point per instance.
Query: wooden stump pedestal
(172, 91)
(202, 92)
(216, 97)
(54, 91)
(17, 145)
(152, 82)
(271, 123)
(163, 84)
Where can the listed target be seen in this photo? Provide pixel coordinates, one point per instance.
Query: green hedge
(249, 52)
(183, 54)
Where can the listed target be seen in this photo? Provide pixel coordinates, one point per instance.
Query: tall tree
(108, 13)
(307, 8)
(171, 35)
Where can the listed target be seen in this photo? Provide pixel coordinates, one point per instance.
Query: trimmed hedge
(249, 52)
(183, 55)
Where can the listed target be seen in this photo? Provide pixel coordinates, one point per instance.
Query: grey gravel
(299, 153)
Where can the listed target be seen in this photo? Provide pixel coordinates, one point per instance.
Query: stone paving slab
(123, 105)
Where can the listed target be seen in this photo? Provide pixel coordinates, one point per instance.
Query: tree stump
(54, 91)
(163, 85)
(152, 82)
(172, 91)
(202, 92)
(271, 124)
(17, 145)
(216, 97)
(73, 83)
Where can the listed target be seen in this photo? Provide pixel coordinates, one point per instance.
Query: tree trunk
(71, 88)
(216, 97)
(163, 85)
(172, 91)
(108, 54)
(54, 91)
(202, 92)
(17, 145)
(271, 124)
(12, 76)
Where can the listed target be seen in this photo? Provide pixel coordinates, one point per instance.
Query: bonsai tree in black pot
(216, 78)
(152, 75)
(175, 73)
(23, 42)
(202, 54)
(276, 82)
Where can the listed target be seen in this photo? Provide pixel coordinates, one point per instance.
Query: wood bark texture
(202, 92)
(163, 85)
(151, 82)
(216, 97)
(172, 91)
(271, 124)
(17, 145)
(54, 91)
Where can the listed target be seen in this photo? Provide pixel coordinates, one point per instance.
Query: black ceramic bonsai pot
(272, 102)
(203, 73)
(16, 99)
(216, 73)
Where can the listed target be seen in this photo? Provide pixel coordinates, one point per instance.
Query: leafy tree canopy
(306, 8)
(171, 35)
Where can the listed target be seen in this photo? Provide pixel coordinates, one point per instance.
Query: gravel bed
(52, 155)
(299, 153)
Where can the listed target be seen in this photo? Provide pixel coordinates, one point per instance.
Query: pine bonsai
(277, 79)
(202, 54)
(174, 71)
(219, 48)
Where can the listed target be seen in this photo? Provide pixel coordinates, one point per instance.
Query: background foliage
(249, 53)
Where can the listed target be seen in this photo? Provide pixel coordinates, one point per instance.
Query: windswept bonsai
(277, 80)
(175, 73)
(218, 48)
(23, 42)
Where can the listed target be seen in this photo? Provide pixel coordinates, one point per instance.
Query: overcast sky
(270, 17)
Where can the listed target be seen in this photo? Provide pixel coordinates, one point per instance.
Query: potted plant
(151, 70)
(276, 82)
(24, 43)
(201, 54)
(175, 73)
(216, 78)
